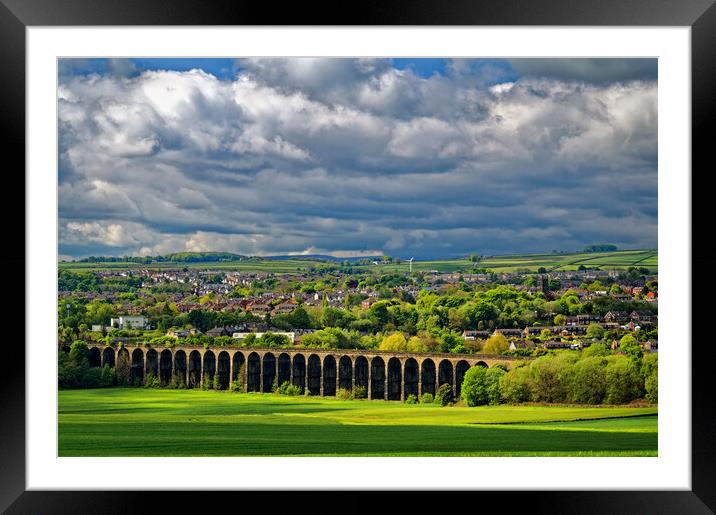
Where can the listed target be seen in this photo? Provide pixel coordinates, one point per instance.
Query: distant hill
(212, 257)
(320, 257)
(175, 257)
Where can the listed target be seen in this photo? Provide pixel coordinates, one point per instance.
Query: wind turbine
(411, 264)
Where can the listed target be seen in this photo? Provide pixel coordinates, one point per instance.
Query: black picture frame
(700, 15)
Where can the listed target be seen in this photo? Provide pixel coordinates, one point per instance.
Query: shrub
(344, 394)
(91, 378)
(108, 377)
(152, 382)
(121, 372)
(411, 399)
(236, 386)
(360, 392)
(241, 377)
(216, 384)
(207, 382)
(444, 395)
(287, 388)
(427, 398)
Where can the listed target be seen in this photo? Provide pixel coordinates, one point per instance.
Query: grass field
(143, 422)
(530, 262)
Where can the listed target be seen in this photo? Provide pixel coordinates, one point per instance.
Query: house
(221, 331)
(651, 346)
(181, 333)
(473, 335)
(129, 322)
(587, 319)
(642, 317)
(616, 316)
(283, 308)
(510, 332)
(554, 344)
(368, 303)
(522, 344)
(258, 308)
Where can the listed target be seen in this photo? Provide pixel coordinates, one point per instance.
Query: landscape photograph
(348, 257)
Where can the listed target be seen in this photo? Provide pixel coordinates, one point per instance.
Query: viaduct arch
(384, 375)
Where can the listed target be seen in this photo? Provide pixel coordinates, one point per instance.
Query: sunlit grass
(142, 422)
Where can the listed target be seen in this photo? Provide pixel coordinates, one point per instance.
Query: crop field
(521, 262)
(146, 422)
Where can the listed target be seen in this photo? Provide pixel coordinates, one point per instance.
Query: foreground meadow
(144, 422)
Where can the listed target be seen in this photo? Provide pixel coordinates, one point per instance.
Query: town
(340, 306)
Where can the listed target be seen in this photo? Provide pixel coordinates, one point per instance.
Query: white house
(129, 322)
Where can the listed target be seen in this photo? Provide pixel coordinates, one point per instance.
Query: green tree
(481, 386)
(79, 353)
(494, 375)
(300, 319)
(100, 312)
(651, 385)
(516, 385)
(551, 377)
(589, 382)
(595, 331)
(394, 342)
(624, 382)
(496, 344)
(629, 346)
(474, 386)
(422, 342)
(596, 349)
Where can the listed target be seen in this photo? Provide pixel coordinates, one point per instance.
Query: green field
(521, 262)
(144, 422)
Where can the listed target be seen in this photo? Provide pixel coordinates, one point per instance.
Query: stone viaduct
(384, 375)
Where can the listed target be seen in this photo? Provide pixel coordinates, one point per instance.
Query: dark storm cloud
(346, 156)
(598, 70)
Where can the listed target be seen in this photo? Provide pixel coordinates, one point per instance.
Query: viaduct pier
(384, 374)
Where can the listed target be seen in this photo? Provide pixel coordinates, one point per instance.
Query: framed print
(419, 252)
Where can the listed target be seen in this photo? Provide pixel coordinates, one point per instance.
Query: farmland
(512, 263)
(146, 422)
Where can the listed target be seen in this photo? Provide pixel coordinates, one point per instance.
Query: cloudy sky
(408, 157)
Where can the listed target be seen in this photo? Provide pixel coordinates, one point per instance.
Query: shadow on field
(183, 438)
